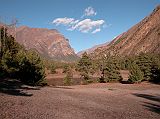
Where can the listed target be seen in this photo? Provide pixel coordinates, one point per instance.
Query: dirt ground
(94, 101)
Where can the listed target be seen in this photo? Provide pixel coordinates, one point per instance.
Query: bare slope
(143, 37)
(48, 42)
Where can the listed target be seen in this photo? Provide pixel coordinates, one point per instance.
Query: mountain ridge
(50, 43)
(144, 37)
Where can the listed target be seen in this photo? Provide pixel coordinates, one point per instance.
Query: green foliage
(84, 66)
(111, 70)
(26, 66)
(156, 69)
(66, 68)
(69, 76)
(136, 75)
(53, 68)
(31, 68)
(144, 62)
(118, 41)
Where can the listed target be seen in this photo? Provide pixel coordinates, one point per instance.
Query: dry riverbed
(94, 101)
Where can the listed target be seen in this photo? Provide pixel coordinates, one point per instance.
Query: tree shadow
(149, 97)
(152, 107)
(155, 106)
(62, 87)
(15, 87)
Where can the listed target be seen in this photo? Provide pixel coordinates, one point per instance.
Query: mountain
(48, 42)
(143, 37)
(90, 50)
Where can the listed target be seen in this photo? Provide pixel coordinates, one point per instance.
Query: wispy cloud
(87, 25)
(65, 21)
(89, 11)
(95, 31)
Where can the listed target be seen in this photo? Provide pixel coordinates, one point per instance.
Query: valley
(42, 76)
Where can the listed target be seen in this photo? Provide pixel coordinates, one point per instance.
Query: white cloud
(95, 31)
(65, 21)
(87, 25)
(89, 11)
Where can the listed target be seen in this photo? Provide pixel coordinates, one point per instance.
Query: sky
(85, 23)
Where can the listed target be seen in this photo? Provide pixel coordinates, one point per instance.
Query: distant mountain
(90, 50)
(49, 43)
(143, 37)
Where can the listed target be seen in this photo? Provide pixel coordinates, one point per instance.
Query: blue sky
(84, 22)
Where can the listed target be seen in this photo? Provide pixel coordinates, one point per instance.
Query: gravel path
(95, 101)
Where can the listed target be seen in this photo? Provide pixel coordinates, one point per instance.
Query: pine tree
(144, 62)
(32, 70)
(84, 66)
(156, 69)
(111, 70)
(136, 75)
(16, 62)
(69, 76)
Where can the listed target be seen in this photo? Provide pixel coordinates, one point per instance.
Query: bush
(53, 68)
(101, 80)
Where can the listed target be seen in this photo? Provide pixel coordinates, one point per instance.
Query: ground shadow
(149, 97)
(62, 87)
(154, 106)
(15, 87)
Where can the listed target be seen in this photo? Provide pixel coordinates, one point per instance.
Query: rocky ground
(94, 101)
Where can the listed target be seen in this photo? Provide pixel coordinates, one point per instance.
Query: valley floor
(94, 101)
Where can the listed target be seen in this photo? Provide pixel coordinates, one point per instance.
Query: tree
(69, 76)
(53, 68)
(111, 69)
(84, 66)
(144, 62)
(16, 62)
(31, 68)
(136, 75)
(156, 69)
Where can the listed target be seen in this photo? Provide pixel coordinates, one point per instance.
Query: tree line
(142, 67)
(27, 66)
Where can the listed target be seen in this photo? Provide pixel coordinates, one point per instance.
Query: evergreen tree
(144, 62)
(31, 68)
(84, 66)
(69, 76)
(15, 62)
(136, 75)
(111, 70)
(156, 69)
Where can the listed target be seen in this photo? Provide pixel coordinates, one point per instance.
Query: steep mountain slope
(90, 50)
(49, 43)
(143, 37)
